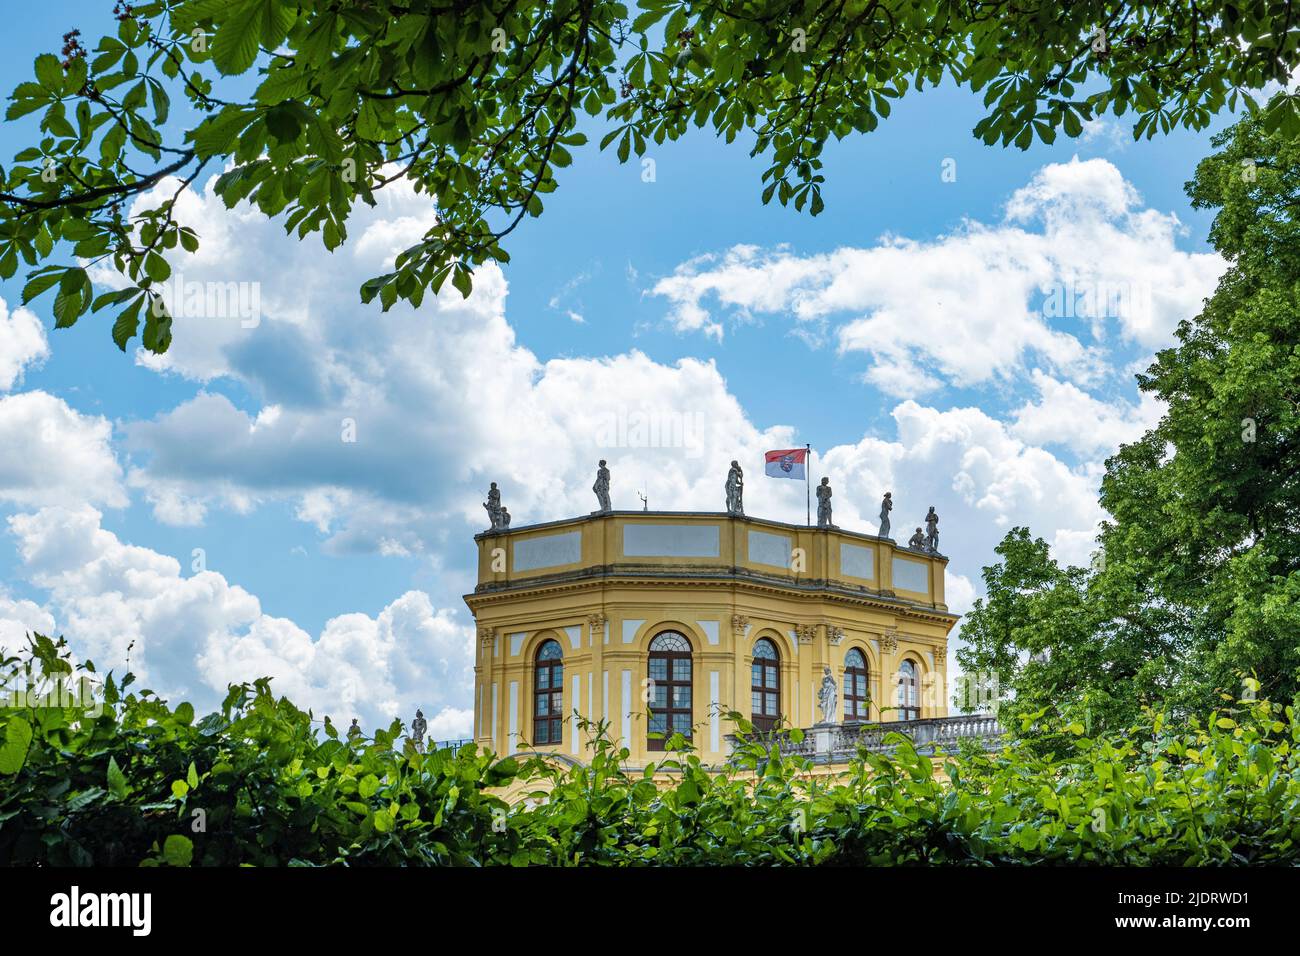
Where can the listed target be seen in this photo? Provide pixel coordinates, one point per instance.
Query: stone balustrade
(839, 742)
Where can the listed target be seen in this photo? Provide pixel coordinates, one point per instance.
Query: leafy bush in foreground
(256, 783)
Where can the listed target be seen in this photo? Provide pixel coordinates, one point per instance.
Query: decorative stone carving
(493, 507)
(834, 634)
(419, 727)
(932, 531)
(824, 504)
(735, 490)
(486, 635)
(596, 624)
(889, 640)
(805, 632)
(739, 624)
(886, 506)
(601, 488)
(828, 696)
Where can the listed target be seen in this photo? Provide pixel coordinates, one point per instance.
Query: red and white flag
(787, 463)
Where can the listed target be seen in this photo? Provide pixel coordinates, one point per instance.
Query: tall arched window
(909, 706)
(765, 689)
(670, 688)
(857, 701)
(548, 694)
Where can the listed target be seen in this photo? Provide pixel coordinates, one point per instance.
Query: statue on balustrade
(824, 504)
(886, 506)
(493, 507)
(917, 541)
(932, 531)
(418, 728)
(601, 488)
(828, 696)
(505, 520)
(735, 490)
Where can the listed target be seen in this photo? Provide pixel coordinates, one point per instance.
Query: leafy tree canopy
(1197, 582)
(479, 104)
(138, 781)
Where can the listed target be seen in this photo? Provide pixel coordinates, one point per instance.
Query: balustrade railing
(843, 740)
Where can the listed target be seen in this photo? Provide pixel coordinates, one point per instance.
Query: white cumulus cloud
(22, 343)
(188, 636)
(975, 305)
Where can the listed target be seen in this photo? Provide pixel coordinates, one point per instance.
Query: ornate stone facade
(606, 587)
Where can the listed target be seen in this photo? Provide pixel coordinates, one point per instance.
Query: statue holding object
(828, 696)
(932, 531)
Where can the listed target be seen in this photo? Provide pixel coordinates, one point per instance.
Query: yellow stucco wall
(598, 586)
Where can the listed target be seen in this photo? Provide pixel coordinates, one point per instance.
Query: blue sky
(902, 332)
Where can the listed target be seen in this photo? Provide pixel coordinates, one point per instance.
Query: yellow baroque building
(656, 622)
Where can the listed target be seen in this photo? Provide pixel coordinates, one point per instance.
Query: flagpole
(807, 494)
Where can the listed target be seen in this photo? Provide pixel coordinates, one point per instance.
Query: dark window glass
(856, 704)
(670, 697)
(548, 692)
(909, 698)
(765, 689)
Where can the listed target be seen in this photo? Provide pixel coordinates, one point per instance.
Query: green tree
(1197, 583)
(259, 782)
(479, 104)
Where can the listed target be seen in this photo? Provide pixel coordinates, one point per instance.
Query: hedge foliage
(258, 782)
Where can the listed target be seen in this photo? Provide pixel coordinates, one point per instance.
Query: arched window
(670, 688)
(765, 689)
(909, 706)
(548, 694)
(857, 701)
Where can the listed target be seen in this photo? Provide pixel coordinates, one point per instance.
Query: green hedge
(260, 783)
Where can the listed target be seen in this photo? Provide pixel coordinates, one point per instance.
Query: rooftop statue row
(734, 489)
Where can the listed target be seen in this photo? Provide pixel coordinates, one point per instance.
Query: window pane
(541, 704)
(771, 677)
(682, 723)
(659, 696)
(772, 706)
(670, 641)
(682, 668)
(681, 696)
(757, 679)
(862, 686)
(658, 668)
(658, 723)
(756, 703)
